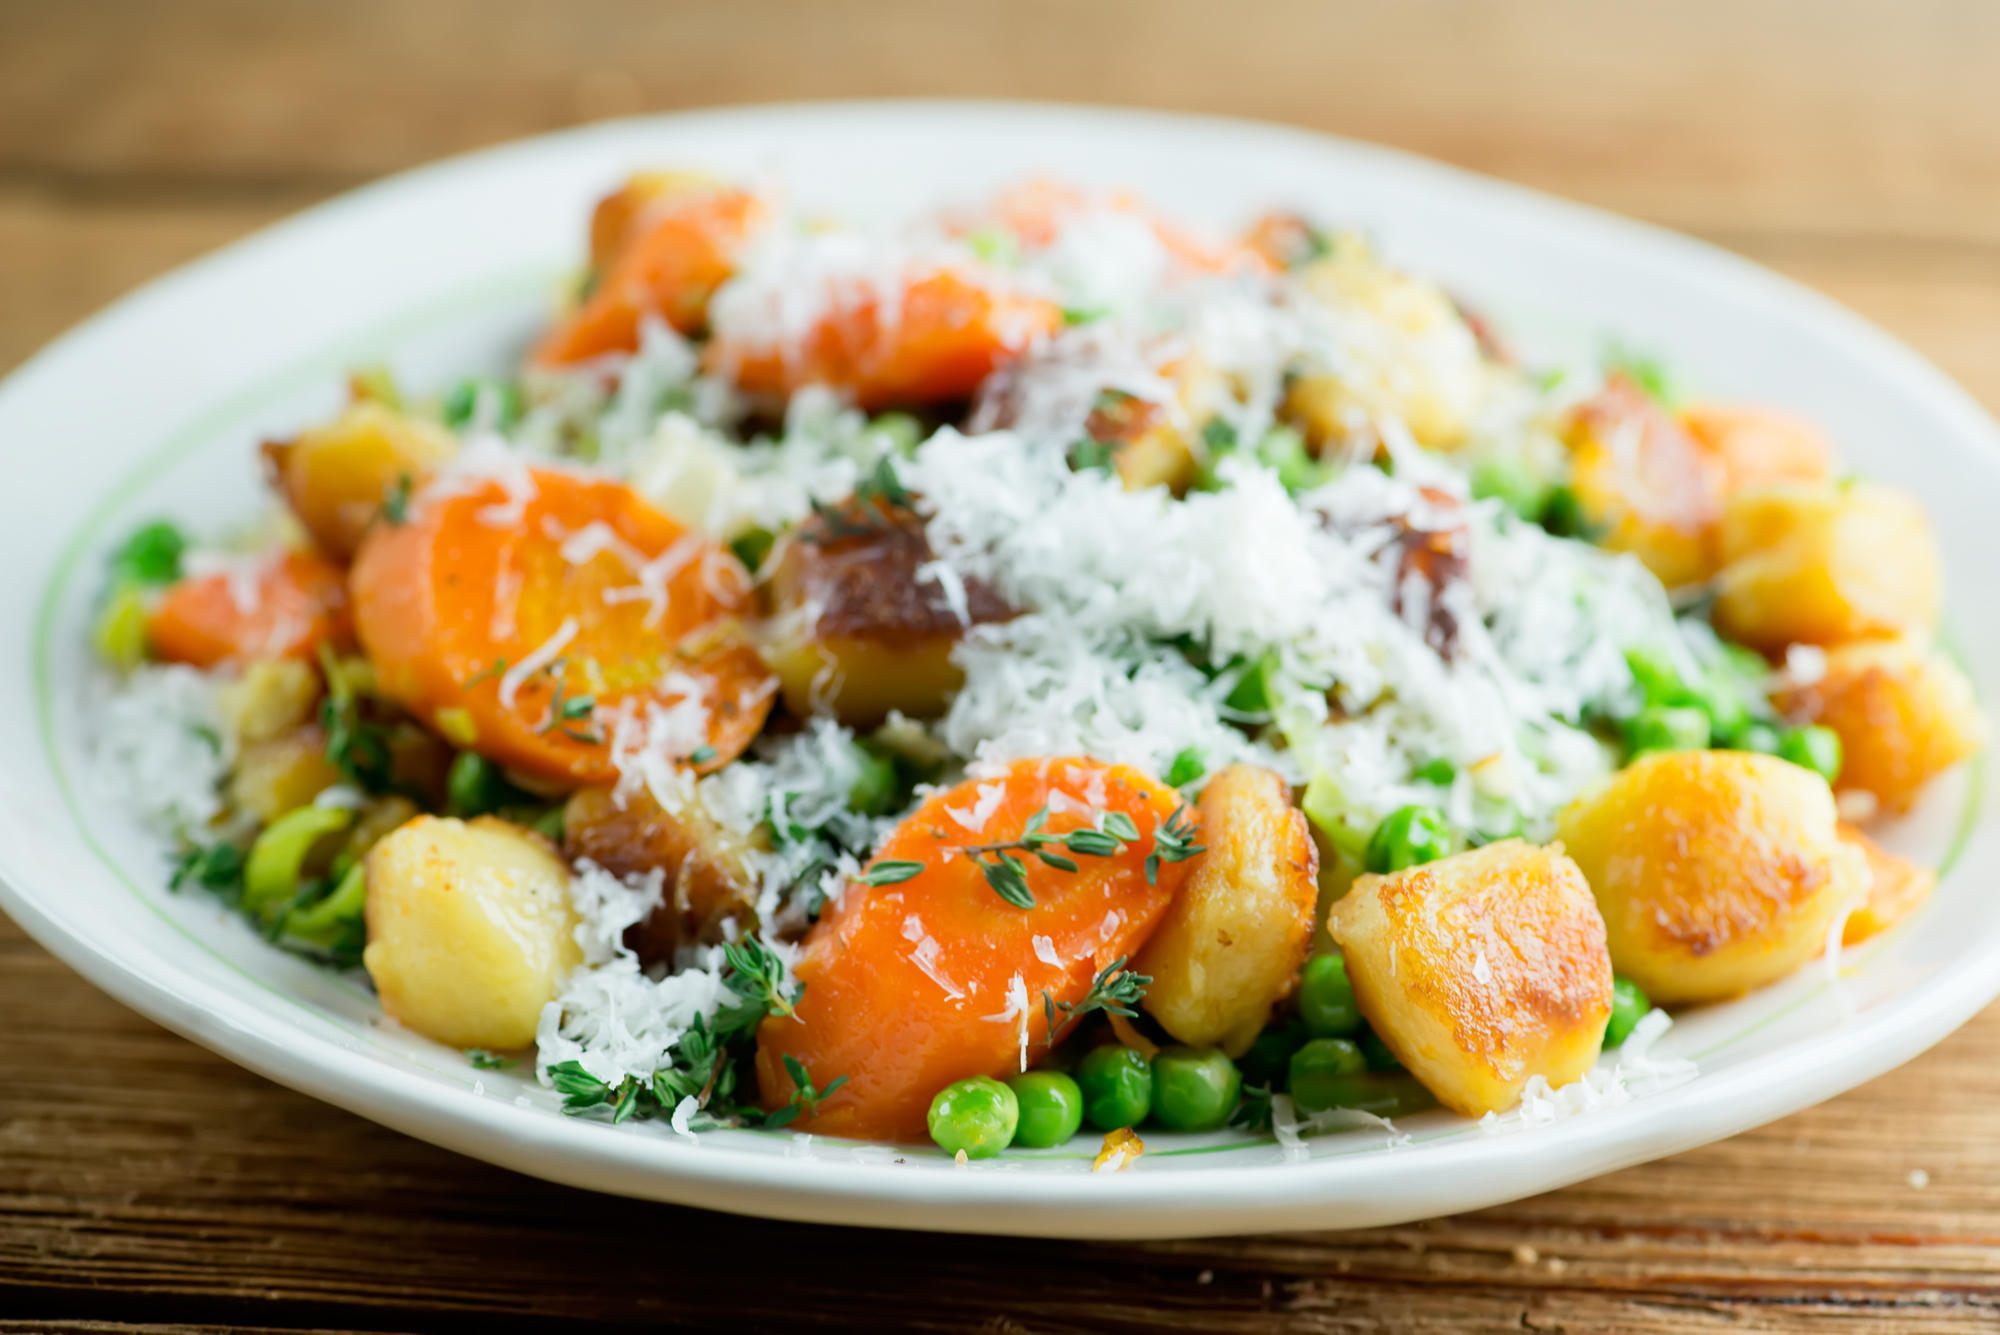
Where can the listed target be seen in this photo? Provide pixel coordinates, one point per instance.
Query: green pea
(1513, 484)
(1194, 1089)
(1188, 766)
(152, 555)
(1117, 1085)
(1269, 1060)
(977, 1116)
(1628, 1006)
(1754, 735)
(1384, 1093)
(1379, 1057)
(1410, 837)
(1326, 998)
(874, 790)
(1252, 694)
(1284, 449)
(1051, 1107)
(1816, 748)
(277, 860)
(1319, 1070)
(1440, 772)
(1667, 728)
(1657, 677)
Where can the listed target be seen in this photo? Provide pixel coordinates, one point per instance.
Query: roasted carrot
(946, 333)
(543, 620)
(675, 251)
(914, 984)
(281, 605)
(1037, 210)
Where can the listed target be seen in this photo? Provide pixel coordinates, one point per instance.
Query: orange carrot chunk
(541, 625)
(947, 333)
(283, 606)
(675, 251)
(915, 982)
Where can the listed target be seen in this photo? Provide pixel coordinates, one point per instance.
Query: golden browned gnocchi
(1231, 943)
(336, 477)
(1645, 485)
(1904, 712)
(1717, 871)
(470, 929)
(1480, 970)
(1822, 563)
(855, 631)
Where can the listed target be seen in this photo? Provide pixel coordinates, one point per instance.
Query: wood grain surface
(146, 1184)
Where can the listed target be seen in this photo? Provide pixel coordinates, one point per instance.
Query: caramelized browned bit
(1440, 557)
(859, 631)
(705, 880)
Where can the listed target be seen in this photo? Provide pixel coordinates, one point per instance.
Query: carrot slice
(675, 254)
(282, 606)
(914, 984)
(544, 620)
(1037, 211)
(947, 333)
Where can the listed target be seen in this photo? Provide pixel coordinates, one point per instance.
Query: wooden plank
(138, 1172)
(1844, 116)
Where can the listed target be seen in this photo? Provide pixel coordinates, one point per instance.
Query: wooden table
(147, 1184)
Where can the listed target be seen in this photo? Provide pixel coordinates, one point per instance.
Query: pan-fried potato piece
(1717, 871)
(1645, 485)
(1759, 445)
(1895, 888)
(1418, 360)
(273, 696)
(1820, 563)
(705, 880)
(856, 633)
(1904, 713)
(1480, 970)
(282, 773)
(1232, 942)
(336, 477)
(470, 929)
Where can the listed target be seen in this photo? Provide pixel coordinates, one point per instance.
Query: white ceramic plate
(154, 408)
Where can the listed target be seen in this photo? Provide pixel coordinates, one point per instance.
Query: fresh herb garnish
(870, 511)
(396, 505)
(701, 755)
(805, 1099)
(1008, 875)
(217, 867)
(892, 872)
(1172, 843)
(358, 748)
(1113, 991)
(1253, 1109)
(483, 1060)
(498, 668)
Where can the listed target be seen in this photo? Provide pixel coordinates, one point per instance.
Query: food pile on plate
(1037, 666)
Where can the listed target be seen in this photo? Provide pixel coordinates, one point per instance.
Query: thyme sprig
(1113, 991)
(805, 1099)
(1172, 842)
(1008, 875)
(876, 498)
